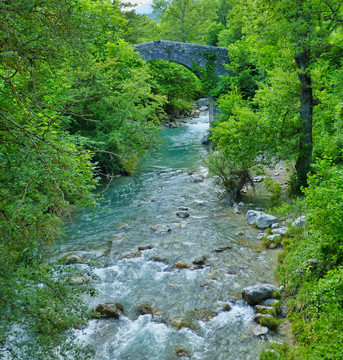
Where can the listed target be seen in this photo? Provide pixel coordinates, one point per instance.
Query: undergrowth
(311, 270)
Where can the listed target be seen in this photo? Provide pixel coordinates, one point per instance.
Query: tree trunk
(304, 160)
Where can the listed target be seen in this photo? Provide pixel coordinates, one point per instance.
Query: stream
(191, 318)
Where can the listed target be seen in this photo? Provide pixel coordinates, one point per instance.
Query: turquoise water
(141, 211)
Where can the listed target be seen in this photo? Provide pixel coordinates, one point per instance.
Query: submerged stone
(223, 248)
(182, 214)
(160, 228)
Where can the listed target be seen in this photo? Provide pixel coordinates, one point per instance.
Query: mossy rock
(261, 309)
(146, 308)
(108, 310)
(181, 265)
(267, 320)
(178, 324)
(276, 304)
(181, 352)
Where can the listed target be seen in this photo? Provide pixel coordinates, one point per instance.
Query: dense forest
(77, 104)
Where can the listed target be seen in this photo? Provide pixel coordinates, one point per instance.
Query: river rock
(223, 248)
(159, 259)
(182, 214)
(146, 308)
(300, 221)
(272, 237)
(73, 259)
(144, 247)
(260, 236)
(180, 323)
(259, 330)
(181, 265)
(266, 320)
(206, 139)
(183, 208)
(79, 280)
(183, 352)
(160, 228)
(262, 309)
(202, 102)
(109, 309)
(197, 178)
(252, 216)
(253, 295)
(260, 219)
(227, 307)
(200, 260)
(204, 108)
(281, 231)
(131, 255)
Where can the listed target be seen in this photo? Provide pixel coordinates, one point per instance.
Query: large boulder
(109, 309)
(260, 219)
(252, 216)
(253, 295)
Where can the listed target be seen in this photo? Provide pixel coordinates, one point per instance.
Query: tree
(185, 20)
(286, 41)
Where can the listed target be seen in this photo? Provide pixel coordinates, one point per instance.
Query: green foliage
(237, 139)
(185, 20)
(71, 93)
(179, 85)
(206, 74)
(275, 189)
(140, 28)
(231, 175)
(275, 351)
(269, 321)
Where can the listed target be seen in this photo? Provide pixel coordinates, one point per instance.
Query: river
(140, 211)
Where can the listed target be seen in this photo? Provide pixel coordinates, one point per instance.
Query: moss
(275, 351)
(265, 310)
(267, 320)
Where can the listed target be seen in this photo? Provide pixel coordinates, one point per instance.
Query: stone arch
(187, 55)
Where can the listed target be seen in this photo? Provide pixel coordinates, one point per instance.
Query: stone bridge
(187, 55)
